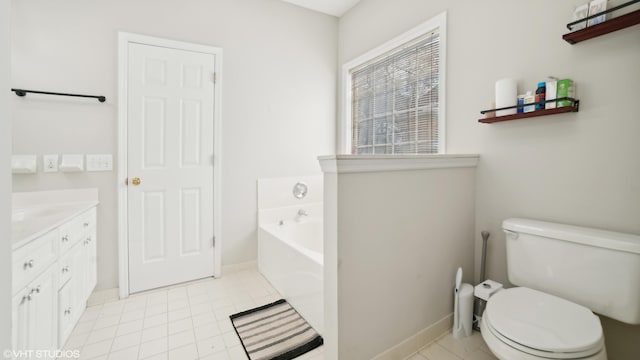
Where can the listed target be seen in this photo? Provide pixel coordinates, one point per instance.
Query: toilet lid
(543, 322)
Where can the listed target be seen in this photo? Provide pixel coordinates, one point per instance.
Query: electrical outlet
(99, 162)
(50, 163)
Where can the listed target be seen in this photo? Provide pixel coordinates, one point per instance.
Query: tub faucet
(301, 213)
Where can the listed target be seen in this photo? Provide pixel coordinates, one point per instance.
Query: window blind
(394, 107)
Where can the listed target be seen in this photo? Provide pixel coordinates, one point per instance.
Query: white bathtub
(290, 257)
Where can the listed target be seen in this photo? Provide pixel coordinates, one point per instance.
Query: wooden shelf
(617, 23)
(560, 110)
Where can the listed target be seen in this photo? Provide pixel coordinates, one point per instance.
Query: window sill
(341, 164)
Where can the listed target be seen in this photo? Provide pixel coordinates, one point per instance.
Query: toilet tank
(595, 268)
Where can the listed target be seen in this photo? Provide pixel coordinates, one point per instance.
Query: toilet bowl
(526, 324)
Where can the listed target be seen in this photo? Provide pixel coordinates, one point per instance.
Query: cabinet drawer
(88, 219)
(73, 231)
(31, 259)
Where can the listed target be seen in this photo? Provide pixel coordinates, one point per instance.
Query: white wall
(278, 96)
(393, 243)
(5, 178)
(578, 168)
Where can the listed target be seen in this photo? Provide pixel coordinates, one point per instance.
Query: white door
(170, 112)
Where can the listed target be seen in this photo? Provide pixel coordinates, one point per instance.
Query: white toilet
(563, 273)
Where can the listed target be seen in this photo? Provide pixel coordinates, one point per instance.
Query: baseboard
(236, 268)
(417, 341)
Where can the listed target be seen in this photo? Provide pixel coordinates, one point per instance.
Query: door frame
(124, 39)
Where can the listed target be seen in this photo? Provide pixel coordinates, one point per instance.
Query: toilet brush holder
(483, 292)
(463, 312)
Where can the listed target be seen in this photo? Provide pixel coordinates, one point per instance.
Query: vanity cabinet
(53, 277)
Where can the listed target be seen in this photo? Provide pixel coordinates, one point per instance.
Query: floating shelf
(617, 23)
(575, 107)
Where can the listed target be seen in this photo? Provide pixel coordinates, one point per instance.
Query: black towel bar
(23, 92)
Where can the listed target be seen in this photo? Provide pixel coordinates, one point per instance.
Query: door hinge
(213, 241)
(214, 77)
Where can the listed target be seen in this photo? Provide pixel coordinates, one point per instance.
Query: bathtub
(290, 258)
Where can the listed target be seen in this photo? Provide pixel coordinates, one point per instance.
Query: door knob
(135, 181)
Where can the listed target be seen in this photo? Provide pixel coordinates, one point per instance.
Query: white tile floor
(448, 348)
(191, 322)
(185, 322)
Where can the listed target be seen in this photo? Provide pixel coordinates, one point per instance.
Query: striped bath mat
(274, 332)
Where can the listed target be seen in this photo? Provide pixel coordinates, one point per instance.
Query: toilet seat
(542, 325)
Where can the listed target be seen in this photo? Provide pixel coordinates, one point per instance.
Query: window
(395, 102)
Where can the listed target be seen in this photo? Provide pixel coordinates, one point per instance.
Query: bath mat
(274, 332)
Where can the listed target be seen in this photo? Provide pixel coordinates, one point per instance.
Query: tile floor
(448, 348)
(185, 322)
(191, 322)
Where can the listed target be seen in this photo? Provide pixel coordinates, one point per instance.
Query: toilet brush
(485, 237)
(479, 304)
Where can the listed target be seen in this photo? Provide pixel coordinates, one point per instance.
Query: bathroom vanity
(53, 265)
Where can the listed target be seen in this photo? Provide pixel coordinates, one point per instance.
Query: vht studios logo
(41, 354)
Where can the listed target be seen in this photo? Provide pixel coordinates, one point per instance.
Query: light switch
(99, 162)
(50, 163)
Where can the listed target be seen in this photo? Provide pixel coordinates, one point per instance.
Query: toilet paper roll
(506, 95)
(463, 312)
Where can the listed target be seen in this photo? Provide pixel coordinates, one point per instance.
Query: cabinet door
(66, 297)
(78, 278)
(90, 263)
(71, 304)
(20, 321)
(43, 311)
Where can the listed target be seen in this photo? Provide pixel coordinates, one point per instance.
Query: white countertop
(36, 213)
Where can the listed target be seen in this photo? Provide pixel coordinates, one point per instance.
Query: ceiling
(331, 7)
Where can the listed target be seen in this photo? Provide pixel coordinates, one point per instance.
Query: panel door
(170, 113)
